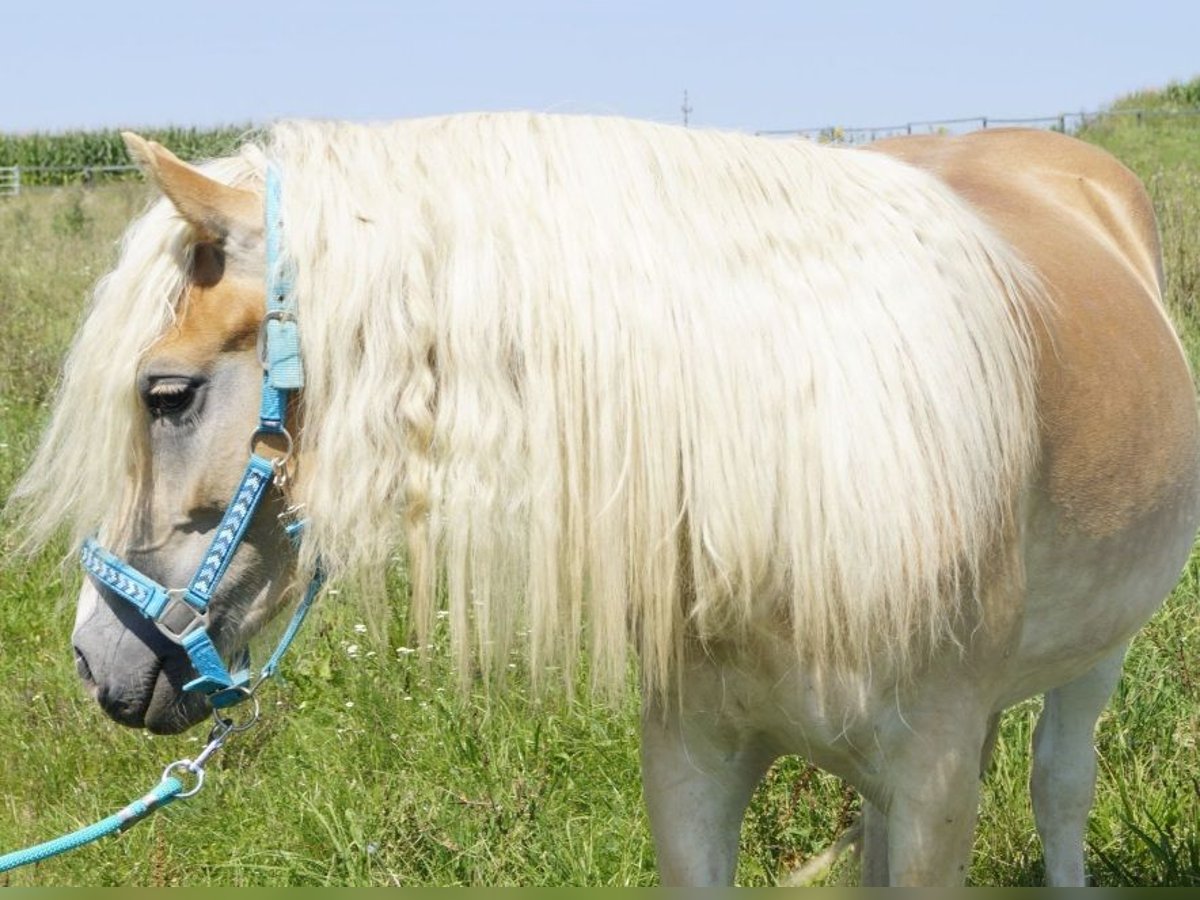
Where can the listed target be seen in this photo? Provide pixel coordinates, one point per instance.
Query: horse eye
(170, 396)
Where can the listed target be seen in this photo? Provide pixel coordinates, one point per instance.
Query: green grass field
(371, 769)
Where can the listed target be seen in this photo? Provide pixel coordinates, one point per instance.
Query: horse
(849, 449)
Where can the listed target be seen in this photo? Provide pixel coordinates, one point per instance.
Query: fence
(60, 175)
(1068, 123)
(10, 181)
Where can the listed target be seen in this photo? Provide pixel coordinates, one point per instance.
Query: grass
(370, 769)
(1152, 143)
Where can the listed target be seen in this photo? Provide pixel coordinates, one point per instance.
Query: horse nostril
(82, 667)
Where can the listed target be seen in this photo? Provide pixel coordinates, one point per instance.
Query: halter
(182, 614)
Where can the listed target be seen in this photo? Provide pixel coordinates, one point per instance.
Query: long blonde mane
(632, 385)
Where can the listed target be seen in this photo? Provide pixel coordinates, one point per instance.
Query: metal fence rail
(78, 174)
(1068, 123)
(10, 181)
(13, 178)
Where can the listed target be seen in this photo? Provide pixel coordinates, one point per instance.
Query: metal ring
(287, 436)
(186, 765)
(230, 725)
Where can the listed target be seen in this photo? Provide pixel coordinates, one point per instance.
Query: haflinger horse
(853, 449)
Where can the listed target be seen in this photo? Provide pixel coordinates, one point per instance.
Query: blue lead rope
(182, 615)
(171, 788)
(162, 794)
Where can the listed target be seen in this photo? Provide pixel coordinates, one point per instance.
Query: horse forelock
(583, 374)
(91, 462)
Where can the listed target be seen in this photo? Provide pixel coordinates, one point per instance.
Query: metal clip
(291, 514)
(186, 765)
(277, 463)
(221, 731)
(195, 767)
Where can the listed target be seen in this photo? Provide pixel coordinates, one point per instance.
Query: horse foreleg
(875, 847)
(1064, 768)
(697, 782)
(931, 794)
(875, 822)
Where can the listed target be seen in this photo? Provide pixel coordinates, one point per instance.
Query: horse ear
(215, 210)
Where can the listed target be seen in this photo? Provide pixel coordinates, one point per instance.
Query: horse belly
(1087, 595)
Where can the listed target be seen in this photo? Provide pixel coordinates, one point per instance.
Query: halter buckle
(276, 315)
(179, 618)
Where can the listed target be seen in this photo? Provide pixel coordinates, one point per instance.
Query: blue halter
(182, 614)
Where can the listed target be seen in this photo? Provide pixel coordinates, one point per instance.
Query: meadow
(370, 768)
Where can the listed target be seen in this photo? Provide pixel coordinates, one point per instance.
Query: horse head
(198, 388)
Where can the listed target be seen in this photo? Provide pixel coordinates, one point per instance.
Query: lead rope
(280, 353)
(171, 787)
(163, 793)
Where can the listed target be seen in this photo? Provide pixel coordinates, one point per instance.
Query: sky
(745, 65)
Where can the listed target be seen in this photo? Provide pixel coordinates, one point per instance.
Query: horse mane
(600, 381)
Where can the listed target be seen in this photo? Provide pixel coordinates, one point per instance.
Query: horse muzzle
(134, 672)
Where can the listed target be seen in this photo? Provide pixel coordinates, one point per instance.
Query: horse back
(1119, 432)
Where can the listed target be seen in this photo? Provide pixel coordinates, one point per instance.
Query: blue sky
(747, 65)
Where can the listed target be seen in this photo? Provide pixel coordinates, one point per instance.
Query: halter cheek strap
(182, 614)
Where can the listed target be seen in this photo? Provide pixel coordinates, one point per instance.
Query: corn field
(54, 159)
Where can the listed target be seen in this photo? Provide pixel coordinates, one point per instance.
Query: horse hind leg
(697, 782)
(1063, 780)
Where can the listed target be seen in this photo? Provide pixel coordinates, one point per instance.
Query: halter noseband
(182, 614)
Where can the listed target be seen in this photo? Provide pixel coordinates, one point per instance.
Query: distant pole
(687, 109)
